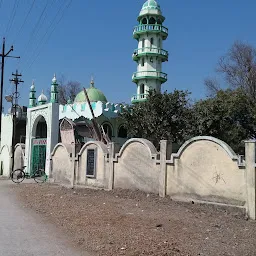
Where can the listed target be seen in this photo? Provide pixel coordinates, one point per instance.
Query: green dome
(93, 93)
(151, 4)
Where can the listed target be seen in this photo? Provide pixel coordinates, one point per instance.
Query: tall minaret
(149, 56)
(54, 90)
(32, 96)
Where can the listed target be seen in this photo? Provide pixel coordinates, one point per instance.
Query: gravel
(133, 223)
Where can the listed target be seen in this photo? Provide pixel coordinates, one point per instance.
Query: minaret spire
(54, 90)
(149, 55)
(32, 95)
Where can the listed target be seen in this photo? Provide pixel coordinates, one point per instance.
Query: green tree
(229, 116)
(162, 116)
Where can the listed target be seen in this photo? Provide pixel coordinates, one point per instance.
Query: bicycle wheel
(18, 176)
(40, 176)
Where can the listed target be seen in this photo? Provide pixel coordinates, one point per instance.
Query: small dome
(42, 97)
(151, 4)
(151, 7)
(93, 93)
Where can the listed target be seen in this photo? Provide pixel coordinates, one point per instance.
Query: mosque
(38, 125)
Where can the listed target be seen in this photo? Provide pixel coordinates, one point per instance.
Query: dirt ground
(133, 223)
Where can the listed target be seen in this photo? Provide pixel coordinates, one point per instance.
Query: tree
(229, 116)
(239, 69)
(162, 116)
(67, 90)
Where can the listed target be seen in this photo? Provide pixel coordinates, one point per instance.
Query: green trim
(149, 75)
(154, 28)
(138, 53)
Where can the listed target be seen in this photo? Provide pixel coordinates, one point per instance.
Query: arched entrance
(39, 143)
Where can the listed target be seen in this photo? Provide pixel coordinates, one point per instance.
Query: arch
(149, 145)
(99, 144)
(144, 21)
(152, 21)
(221, 143)
(41, 128)
(122, 132)
(108, 129)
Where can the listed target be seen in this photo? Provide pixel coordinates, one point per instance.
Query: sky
(80, 38)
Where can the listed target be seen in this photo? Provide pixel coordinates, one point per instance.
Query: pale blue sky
(95, 37)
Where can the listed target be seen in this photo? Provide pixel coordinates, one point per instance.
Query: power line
(56, 24)
(12, 17)
(35, 27)
(30, 9)
(47, 31)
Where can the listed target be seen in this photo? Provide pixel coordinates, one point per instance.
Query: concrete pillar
(250, 178)
(164, 147)
(112, 150)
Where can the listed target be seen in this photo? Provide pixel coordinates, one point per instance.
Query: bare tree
(67, 90)
(212, 86)
(239, 69)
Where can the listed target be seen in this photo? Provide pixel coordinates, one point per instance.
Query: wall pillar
(73, 164)
(164, 147)
(250, 178)
(111, 148)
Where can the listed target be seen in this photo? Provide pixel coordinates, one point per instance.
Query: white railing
(139, 97)
(154, 27)
(151, 50)
(149, 74)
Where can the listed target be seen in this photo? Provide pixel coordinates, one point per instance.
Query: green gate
(38, 154)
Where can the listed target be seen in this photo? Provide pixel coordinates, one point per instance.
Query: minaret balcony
(150, 51)
(150, 28)
(149, 75)
(139, 98)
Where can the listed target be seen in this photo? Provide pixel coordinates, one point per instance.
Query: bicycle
(18, 175)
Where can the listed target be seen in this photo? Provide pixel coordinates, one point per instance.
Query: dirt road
(134, 223)
(23, 233)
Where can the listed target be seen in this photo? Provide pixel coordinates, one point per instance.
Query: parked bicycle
(19, 175)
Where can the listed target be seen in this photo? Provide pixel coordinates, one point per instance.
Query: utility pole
(16, 82)
(3, 55)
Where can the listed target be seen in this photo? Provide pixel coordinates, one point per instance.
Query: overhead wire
(23, 24)
(49, 35)
(34, 29)
(12, 17)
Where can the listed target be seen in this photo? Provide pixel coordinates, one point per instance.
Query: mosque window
(151, 59)
(108, 130)
(152, 20)
(122, 132)
(143, 42)
(142, 89)
(142, 62)
(159, 22)
(144, 21)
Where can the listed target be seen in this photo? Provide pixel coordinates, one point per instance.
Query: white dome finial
(54, 80)
(32, 86)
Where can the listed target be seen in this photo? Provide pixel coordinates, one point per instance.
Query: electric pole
(3, 55)
(16, 82)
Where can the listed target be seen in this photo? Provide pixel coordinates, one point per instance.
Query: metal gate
(38, 154)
